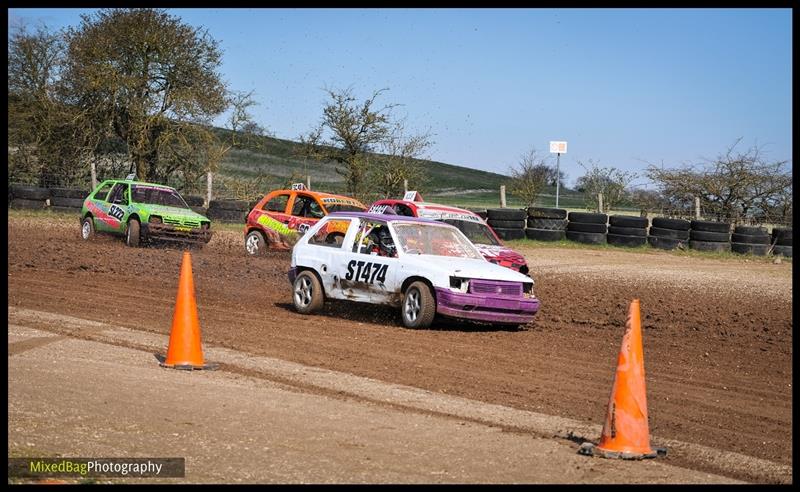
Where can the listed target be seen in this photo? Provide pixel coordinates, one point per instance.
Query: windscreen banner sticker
(377, 209)
(439, 214)
(366, 271)
(329, 200)
(116, 212)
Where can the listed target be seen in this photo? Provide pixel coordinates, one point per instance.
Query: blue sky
(624, 87)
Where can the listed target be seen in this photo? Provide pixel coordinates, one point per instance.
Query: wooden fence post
(405, 186)
(502, 196)
(308, 181)
(697, 207)
(208, 193)
(600, 202)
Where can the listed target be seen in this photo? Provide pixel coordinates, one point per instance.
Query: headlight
(459, 284)
(205, 225)
(155, 219)
(527, 289)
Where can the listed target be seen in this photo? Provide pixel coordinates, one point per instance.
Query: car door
(305, 211)
(368, 272)
(328, 252)
(119, 207)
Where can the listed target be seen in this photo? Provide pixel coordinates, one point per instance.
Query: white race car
(423, 266)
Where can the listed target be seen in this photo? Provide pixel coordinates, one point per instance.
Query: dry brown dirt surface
(717, 332)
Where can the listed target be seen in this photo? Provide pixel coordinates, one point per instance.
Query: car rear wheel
(132, 237)
(419, 306)
(307, 294)
(254, 244)
(87, 228)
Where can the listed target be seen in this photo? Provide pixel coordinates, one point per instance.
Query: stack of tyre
(587, 228)
(627, 230)
(508, 223)
(27, 197)
(68, 200)
(782, 242)
(749, 240)
(666, 233)
(196, 203)
(706, 235)
(228, 210)
(546, 224)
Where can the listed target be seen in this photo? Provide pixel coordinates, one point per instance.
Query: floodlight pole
(558, 165)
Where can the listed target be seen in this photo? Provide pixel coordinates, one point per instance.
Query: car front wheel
(133, 235)
(307, 294)
(419, 306)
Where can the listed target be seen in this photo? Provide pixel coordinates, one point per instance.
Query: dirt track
(717, 334)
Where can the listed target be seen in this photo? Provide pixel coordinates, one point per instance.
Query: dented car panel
(464, 283)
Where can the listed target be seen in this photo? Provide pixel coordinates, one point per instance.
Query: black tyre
(750, 249)
(782, 251)
(716, 237)
(30, 192)
(547, 213)
(588, 218)
(709, 246)
(676, 224)
(27, 204)
(544, 234)
(237, 205)
(506, 214)
(627, 231)
(669, 233)
(709, 226)
(628, 241)
(586, 237)
(87, 228)
(587, 227)
(133, 236)
(59, 201)
(750, 230)
(666, 242)
(418, 307)
(509, 234)
(547, 224)
(194, 200)
(628, 221)
(748, 239)
(255, 244)
(307, 294)
(68, 193)
(781, 236)
(507, 224)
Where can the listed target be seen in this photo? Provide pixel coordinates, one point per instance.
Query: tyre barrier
(749, 240)
(709, 245)
(24, 203)
(546, 213)
(709, 226)
(545, 234)
(666, 233)
(547, 224)
(31, 193)
(714, 237)
(711, 236)
(781, 242)
(507, 223)
(228, 210)
(63, 202)
(509, 234)
(587, 228)
(627, 230)
(782, 250)
(194, 200)
(69, 193)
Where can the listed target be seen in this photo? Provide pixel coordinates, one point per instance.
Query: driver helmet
(385, 242)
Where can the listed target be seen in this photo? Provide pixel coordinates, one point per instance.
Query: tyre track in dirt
(718, 362)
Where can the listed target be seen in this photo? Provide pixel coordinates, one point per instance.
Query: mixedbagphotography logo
(97, 467)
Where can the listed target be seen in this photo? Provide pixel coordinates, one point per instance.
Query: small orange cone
(626, 433)
(185, 350)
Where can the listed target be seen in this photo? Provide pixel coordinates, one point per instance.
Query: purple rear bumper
(481, 307)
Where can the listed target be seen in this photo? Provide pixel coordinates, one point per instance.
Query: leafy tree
(734, 186)
(530, 177)
(141, 75)
(609, 181)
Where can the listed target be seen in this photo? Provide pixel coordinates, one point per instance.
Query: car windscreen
(341, 207)
(436, 240)
(477, 232)
(157, 196)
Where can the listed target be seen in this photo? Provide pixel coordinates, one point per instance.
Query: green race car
(142, 212)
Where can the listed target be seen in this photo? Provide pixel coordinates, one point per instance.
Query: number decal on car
(368, 272)
(116, 212)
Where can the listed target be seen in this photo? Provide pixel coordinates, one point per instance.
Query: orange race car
(282, 216)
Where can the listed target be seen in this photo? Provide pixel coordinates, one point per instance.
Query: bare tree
(733, 186)
(401, 162)
(610, 181)
(348, 134)
(530, 177)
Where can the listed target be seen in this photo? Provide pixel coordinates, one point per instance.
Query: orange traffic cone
(626, 433)
(185, 350)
